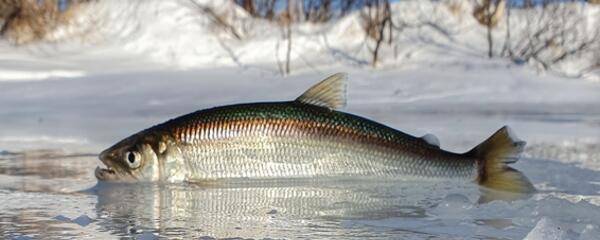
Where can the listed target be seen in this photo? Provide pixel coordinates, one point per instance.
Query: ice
(147, 236)
(23, 238)
(589, 233)
(64, 101)
(82, 220)
(453, 206)
(206, 238)
(62, 218)
(547, 229)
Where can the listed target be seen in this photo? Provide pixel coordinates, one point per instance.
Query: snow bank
(186, 34)
(177, 33)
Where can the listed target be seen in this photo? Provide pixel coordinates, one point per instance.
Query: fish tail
(493, 156)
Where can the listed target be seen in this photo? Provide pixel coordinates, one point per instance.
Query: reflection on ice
(42, 190)
(261, 209)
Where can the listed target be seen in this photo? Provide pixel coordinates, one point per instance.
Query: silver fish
(305, 138)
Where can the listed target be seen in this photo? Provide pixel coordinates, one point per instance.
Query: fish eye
(132, 159)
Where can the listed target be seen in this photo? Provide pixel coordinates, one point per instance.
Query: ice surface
(63, 102)
(453, 206)
(589, 233)
(62, 218)
(147, 236)
(546, 229)
(82, 220)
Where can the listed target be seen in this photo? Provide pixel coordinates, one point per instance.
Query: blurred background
(560, 36)
(76, 76)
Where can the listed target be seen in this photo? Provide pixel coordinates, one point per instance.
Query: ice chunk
(147, 236)
(82, 220)
(453, 206)
(547, 229)
(62, 218)
(590, 232)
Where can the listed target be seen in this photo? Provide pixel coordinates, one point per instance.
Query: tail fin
(494, 155)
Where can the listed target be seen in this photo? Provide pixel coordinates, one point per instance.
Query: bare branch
(217, 19)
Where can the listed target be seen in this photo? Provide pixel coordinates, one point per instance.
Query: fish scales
(305, 138)
(289, 139)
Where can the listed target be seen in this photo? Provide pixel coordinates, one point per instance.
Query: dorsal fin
(329, 93)
(431, 139)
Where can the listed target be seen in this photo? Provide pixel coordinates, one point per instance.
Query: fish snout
(103, 155)
(109, 173)
(106, 156)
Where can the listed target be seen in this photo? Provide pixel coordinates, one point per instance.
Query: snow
(8, 75)
(64, 100)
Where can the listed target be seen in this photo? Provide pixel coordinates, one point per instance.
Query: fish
(307, 138)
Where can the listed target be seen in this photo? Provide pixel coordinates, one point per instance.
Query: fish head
(132, 159)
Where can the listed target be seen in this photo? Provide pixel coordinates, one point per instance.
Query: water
(52, 194)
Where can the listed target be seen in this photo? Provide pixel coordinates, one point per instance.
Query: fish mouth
(105, 174)
(112, 175)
